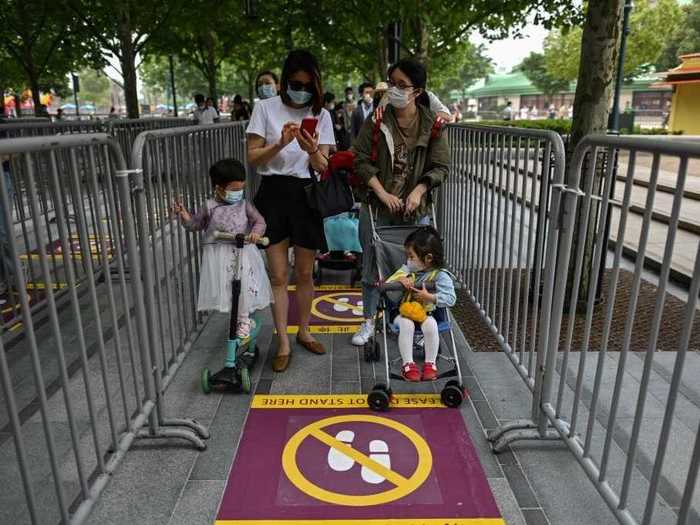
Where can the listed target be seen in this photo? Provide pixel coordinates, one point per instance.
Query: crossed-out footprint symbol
(378, 451)
(340, 306)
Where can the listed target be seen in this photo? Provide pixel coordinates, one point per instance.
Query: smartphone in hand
(309, 125)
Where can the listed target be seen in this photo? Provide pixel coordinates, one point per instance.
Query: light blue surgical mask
(299, 97)
(232, 197)
(414, 266)
(267, 91)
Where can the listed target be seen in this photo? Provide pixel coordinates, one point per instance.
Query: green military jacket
(429, 159)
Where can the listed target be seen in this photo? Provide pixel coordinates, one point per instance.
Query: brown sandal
(312, 346)
(280, 363)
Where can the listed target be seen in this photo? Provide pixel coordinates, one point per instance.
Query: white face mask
(414, 266)
(399, 98)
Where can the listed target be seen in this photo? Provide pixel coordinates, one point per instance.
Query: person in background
(266, 85)
(524, 112)
(562, 111)
(533, 113)
(364, 108)
(342, 137)
(508, 111)
(379, 92)
(329, 102)
(59, 114)
(113, 112)
(552, 114)
(199, 100)
(209, 103)
(240, 109)
(436, 106)
(348, 107)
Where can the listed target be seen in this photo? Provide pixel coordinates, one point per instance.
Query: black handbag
(331, 196)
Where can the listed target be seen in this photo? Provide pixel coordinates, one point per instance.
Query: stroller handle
(233, 237)
(397, 287)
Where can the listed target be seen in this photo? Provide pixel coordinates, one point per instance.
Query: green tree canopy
(652, 25)
(685, 38)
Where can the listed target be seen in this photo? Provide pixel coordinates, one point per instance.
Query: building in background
(488, 96)
(685, 105)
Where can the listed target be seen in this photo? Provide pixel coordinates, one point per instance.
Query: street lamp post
(172, 83)
(614, 129)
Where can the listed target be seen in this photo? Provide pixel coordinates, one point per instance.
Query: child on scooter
(229, 212)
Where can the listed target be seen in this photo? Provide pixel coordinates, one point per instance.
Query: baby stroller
(235, 378)
(388, 246)
(344, 250)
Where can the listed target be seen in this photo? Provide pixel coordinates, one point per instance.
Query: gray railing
(78, 386)
(172, 164)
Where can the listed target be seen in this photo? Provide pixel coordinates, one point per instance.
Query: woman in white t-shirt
(283, 154)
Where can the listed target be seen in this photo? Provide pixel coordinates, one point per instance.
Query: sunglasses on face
(296, 85)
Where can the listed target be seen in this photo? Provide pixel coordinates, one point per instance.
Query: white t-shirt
(436, 106)
(267, 120)
(206, 115)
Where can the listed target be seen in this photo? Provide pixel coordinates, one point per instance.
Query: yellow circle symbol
(334, 298)
(403, 486)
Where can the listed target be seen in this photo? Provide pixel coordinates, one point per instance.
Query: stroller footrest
(452, 372)
(397, 377)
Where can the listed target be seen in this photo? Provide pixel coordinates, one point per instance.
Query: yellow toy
(414, 311)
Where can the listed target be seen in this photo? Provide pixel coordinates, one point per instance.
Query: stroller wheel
(245, 380)
(371, 350)
(452, 395)
(378, 400)
(206, 387)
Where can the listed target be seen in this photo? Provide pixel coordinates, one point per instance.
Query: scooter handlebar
(226, 236)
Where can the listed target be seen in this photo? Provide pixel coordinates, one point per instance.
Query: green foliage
(652, 24)
(41, 42)
(684, 40)
(563, 127)
(94, 88)
(535, 68)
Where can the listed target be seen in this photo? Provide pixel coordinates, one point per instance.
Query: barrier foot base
(167, 433)
(518, 430)
(193, 424)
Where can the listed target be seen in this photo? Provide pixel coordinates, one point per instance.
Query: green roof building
(490, 95)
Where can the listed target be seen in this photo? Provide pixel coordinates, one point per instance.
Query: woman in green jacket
(411, 159)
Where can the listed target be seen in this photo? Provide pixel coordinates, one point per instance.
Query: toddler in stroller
(416, 297)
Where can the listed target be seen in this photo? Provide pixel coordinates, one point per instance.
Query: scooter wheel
(206, 375)
(452, 396)
(378, 400)
(245, 380)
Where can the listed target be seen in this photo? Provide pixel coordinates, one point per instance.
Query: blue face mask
(267, 91)
(232, 197)
(299, 97)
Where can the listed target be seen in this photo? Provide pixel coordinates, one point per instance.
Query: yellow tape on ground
(328, 287)
(343, 401)
(402, 521)
(329, 329)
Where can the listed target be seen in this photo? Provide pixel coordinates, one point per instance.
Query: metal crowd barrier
(77, 387)
(493, 217)
(172, 164)
(621, 446)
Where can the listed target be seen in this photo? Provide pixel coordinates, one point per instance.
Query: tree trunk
(599, 50)
(212, 67)
(422, 42)
(127, 61)
(36, 94)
